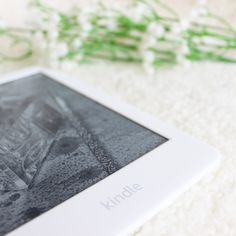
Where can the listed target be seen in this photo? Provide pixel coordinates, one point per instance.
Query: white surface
(170, 169)
(200, 100)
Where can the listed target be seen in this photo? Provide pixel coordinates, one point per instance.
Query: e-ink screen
(55, 143)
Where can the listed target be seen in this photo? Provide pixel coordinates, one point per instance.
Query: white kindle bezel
(153, 180)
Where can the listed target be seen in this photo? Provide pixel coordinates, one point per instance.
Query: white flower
(87, 27)
(84, 22)
(149, 56)
(132, 15)
(54, 18)
(141, 9)
(61, 49)
(176, 29)
(135, 33)
(213, 41)
(110, 23)
(156, 29)
(2, 25)
(196, 40)
(77, 43)
(181, 59)
(79, 57)
(198, 12)
(184, 49)
(53, 35)
(109, 14)
(137, 13)
(84, 35)
(150, 41)
(184, 24)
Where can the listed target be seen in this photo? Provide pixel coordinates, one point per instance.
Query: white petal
(184, 49)
(2, 24)
(213, 41)
(62, 49)
(196, 40)
(156, 29)
(149, 41)
(184, 24)
(149, 56)
(77, 43)
(55, 18)
(183, 60)
(52, 35)
(79, 58)
(198, 12)
(87, 27)
(176, 29)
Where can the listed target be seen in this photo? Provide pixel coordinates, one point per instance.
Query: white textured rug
(200, 100)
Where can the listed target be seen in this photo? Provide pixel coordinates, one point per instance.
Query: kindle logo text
(126, 193)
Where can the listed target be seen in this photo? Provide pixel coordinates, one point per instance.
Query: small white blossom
(181, 59)
(135, 33)
(141, 9)
(61, 49)
(77, 43)
(213, 41)
(79, 57)
(110, 14)
(150, 41)
(156, 29)
(84, 22)
(199, 12)
(54, 18)
(176, 29)
(132, 15)
(87, 27)
(53, 35)
(184, 49)
(2, 25)
(196, 40)
(110, 23)
(184, 24)
(137, 13)
(149, 56)
(84, 35)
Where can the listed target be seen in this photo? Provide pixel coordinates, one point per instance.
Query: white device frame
(162, 174)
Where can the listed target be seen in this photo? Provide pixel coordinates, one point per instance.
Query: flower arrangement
(148, 32)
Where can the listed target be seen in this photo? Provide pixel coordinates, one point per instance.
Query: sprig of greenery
(148, 32)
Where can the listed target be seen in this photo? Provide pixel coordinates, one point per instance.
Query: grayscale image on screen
(55, 143)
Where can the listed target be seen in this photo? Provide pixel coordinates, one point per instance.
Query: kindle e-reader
(76, 162)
